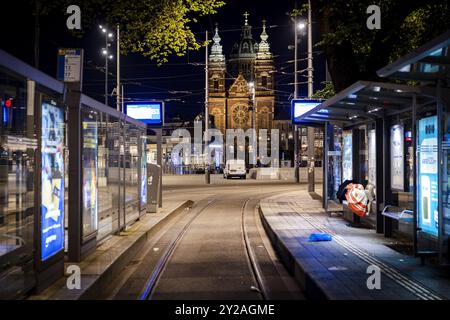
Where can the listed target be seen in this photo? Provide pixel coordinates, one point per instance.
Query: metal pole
(326, 132)
(254, 122)
(207, 175)
(310, 56)
(123, 98)
(311, 138)
(106, 68)
(118, 92)
(296, 168)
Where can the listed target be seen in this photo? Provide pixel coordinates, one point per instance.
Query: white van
(234, 168)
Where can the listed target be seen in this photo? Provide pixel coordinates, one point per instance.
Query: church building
(231, 79)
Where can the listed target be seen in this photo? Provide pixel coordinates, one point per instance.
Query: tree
(326, 93)
(354, 52)
(154, 28)
(158, 29)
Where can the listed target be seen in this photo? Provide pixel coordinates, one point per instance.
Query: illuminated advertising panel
(347, 159)
(150, 113)
(300, 107)
(427, 184)
(52, 181)
(143, 172)
(372, 157)
(397, 158)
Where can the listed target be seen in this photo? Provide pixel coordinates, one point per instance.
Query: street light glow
(105, 52)
(251, 84)
(301, 25)
(110, 35)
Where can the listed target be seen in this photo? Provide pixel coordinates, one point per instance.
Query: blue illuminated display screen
(300, 107)
(148, 112)
(52, 181)
(427, 186)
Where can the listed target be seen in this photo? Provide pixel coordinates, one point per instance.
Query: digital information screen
(150, 113)
(300, 107)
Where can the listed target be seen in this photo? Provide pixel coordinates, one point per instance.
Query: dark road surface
(202, 253)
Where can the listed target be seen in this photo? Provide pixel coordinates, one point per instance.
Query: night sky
(180, 82)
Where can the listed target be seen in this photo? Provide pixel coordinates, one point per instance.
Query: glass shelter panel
(132, 180)
(18, 146)
(90, 172)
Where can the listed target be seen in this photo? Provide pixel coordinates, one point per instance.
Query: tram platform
(340, 268)
(101, 267)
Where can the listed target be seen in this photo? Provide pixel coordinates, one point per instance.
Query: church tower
(243, 55)
(264, 71)
(250, 61)
(217, 90)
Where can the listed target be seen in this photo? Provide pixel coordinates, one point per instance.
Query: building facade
(230, 93)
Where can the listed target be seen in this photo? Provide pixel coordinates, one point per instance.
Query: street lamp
(252, 90)
(108, 56)
(300, 26)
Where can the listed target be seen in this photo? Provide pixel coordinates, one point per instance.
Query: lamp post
(108, 56)
(311, 134)
(252, 89)
(118, 86)
(298, 26)
(207, 156)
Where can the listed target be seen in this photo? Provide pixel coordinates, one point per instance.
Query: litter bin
(154, 173)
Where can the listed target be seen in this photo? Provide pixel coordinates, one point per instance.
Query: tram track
(163, 261)
(215, 250)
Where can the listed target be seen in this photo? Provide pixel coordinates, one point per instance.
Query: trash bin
(153, 187)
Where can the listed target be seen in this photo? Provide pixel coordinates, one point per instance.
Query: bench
(392, 213)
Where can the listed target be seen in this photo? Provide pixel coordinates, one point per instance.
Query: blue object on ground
(318, 237)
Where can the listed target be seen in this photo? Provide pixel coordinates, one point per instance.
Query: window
(216, 85)
(264, 82)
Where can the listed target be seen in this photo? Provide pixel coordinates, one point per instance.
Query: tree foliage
(326, 92)
(154, 28)
(354, 52)
(158, 29)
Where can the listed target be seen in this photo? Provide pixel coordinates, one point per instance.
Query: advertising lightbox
(397, 158)
(347, 159)
(427, 185)
(300, 107)
(150, 113)
(372, 157)
(52, 181)
(143, 173)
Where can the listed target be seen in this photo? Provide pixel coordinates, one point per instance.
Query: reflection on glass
(334, 161)
(132, 180)
(18, 146)
(404, 198)
(90, 167)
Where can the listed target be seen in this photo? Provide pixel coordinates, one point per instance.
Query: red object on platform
(357, 199)
(8, 103)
